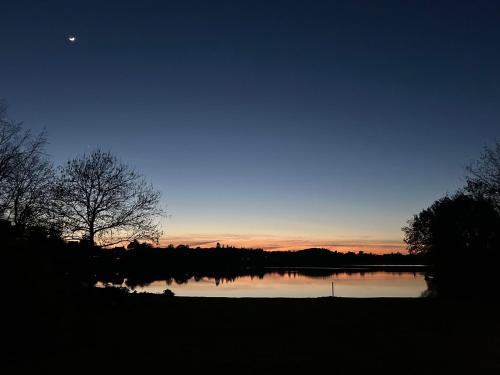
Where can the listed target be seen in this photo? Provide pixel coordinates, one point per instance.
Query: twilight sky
(280, 124)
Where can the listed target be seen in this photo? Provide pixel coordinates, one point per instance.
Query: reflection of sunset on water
(294, 285)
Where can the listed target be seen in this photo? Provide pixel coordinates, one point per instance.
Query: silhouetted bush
(460, 236)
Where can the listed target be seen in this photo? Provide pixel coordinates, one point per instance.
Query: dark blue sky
(276, 123)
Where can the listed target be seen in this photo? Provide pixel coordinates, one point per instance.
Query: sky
(276, 124)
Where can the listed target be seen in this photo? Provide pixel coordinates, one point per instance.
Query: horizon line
(273, 243)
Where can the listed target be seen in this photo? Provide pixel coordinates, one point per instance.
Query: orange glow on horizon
(272, 243)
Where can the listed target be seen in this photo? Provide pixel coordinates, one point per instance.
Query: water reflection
(296, 284)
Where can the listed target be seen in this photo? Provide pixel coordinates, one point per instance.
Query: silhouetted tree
(102, 200)
(455, 232)
(136, 245)
(11, 140)
(483, 178)
(25, 174)
(168, 293)
(29, 191)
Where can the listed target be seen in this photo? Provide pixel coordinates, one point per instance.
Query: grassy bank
(152, 333)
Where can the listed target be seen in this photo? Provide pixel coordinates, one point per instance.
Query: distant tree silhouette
(102, 200)
(483, 178)
(136, 245)
(168, 293)
(455, 233)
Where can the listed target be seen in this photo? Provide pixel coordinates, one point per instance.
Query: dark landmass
(56, 322)
(141, 264)
(108, 331)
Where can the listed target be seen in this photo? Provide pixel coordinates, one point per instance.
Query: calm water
(297, 285)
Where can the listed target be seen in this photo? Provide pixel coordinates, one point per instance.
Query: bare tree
(24, 172)
(102, 200)
(483, 176)
(11, 141)
(29, 191)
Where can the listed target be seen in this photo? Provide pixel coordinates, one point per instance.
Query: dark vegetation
(460, 234)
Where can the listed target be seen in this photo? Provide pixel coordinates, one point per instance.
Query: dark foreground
(113, 333)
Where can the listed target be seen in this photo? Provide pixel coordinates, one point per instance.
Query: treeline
(141, 264)
(80, 265)
(50, 268)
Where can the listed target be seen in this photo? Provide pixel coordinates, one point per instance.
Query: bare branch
(483, 176)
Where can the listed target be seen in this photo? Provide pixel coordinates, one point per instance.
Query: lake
(295, 284)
